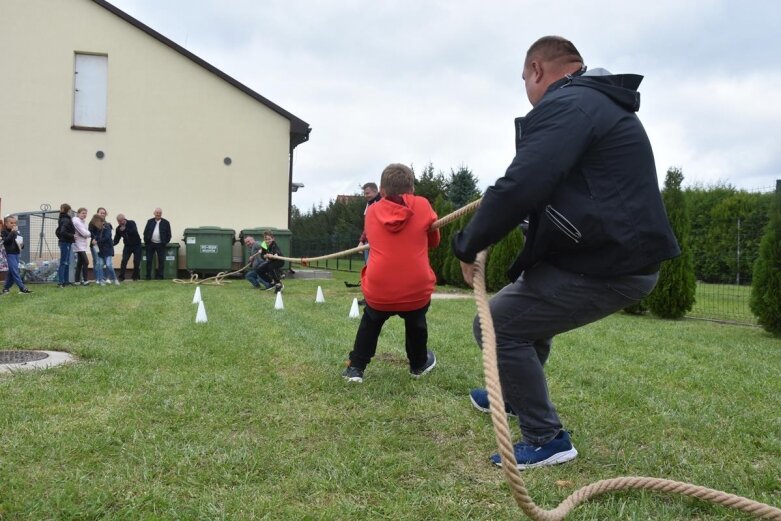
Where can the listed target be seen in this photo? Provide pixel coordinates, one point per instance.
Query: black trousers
(127, 251)
(269, 271)
(82, 261)
(158, 249)
(415, 336)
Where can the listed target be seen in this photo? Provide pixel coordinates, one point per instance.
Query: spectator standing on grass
(13, 245)
(398, 280)
(95, 229)
(157, 235)
(105, 246)
(80, 246)
(127, 232)
(584, 174)
(66, 236)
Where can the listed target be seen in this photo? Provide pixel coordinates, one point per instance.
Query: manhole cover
(20, 357)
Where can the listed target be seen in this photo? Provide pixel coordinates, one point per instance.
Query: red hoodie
(398, 276)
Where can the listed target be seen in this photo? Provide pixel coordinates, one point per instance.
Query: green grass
(246, 417)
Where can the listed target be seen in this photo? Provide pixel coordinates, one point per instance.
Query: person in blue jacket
(584, 176)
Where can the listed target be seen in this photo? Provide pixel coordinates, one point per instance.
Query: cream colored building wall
(170, 124)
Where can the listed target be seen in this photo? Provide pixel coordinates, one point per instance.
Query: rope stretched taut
(217, 280)
(439, 223)
(513, 475)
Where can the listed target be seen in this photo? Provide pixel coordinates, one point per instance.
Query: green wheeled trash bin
(208, 249)
(170, 262)
(282, 238)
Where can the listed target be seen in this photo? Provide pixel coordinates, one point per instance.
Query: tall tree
(462, 187)
(438, 255)
(674, 294)
(766, 286)
(430, 184)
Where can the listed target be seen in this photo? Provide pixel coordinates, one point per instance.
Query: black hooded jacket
(584, 175)
(65, 232)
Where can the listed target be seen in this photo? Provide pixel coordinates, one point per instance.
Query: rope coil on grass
(513, 475)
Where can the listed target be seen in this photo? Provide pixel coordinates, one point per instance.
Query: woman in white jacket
(81, 246)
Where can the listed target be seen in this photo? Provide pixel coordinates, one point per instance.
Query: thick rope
(449, 218)
(513, 475)
(218, 279)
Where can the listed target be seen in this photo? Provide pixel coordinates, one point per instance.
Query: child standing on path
(12, 251)
(398, 279)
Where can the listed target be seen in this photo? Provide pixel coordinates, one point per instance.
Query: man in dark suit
(128, 231)
(157, 235)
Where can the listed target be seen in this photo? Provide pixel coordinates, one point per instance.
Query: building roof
(299, 129)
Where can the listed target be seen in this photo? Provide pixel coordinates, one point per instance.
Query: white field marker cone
(278, 304)
(354, 309)
(197, 296)
(200, 317)
(319, 298)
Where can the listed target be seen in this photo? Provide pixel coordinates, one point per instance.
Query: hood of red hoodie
(392, 215)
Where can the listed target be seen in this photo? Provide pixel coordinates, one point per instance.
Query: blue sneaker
(479, 399)
(558, 450)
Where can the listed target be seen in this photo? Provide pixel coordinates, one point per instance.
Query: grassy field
(246, 416)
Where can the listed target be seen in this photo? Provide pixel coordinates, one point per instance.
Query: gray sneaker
(353, 374)
(431, 361)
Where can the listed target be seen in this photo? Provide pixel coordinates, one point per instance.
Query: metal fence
(327, 246)
(41, 255)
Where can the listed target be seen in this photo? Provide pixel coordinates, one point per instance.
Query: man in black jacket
(584, 175)
(157, 235)
(128, 231)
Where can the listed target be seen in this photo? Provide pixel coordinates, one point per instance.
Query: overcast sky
(417, 81)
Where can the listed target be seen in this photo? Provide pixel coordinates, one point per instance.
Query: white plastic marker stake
(278, 304)
(197, 296)
(319, 298)
(354, 309)
(200, 317)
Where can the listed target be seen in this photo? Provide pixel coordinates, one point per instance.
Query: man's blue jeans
(63, 271)
(544, 302)
(256, 280)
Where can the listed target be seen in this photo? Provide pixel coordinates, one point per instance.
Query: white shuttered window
(90, 91)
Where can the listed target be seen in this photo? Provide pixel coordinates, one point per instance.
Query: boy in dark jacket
(268, 269)
(11, 243)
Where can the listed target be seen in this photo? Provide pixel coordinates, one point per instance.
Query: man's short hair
(373, 186)
(397, 179)
(553, 49)
(268, 233)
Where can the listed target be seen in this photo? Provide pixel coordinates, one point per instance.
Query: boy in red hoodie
(398, 280)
